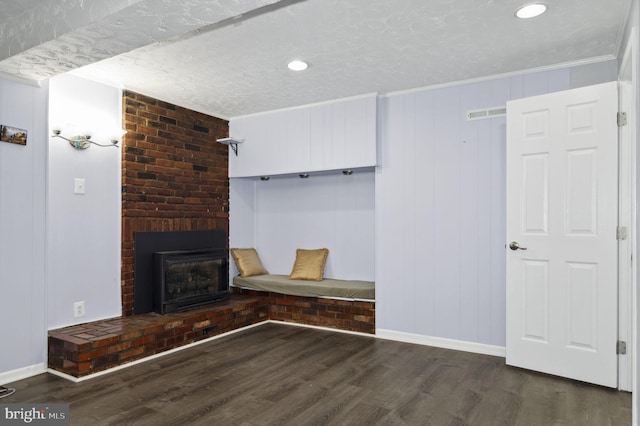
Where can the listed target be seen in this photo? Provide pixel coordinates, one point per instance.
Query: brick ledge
(351, 315)
(85, 349)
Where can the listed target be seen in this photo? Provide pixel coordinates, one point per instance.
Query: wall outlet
(78, 309)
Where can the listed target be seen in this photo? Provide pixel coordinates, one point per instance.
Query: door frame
(627, 294)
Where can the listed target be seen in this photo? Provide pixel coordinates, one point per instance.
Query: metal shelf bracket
(232, 142)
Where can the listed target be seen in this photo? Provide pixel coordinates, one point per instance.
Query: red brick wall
(349, 315)
(85, 349)
(174, 175)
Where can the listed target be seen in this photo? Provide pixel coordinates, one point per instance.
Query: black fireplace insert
(186, 279)
(149, 243)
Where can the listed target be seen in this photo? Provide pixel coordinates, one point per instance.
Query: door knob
(515, 246)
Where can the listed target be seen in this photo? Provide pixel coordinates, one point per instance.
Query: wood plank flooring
(285, 375)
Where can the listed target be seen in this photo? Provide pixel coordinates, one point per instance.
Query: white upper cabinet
(330, 136)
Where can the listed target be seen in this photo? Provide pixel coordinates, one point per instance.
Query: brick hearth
(85, 349)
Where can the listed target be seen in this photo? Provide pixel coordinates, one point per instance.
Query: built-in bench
(343, 304)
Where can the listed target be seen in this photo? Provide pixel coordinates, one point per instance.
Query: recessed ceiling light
(531, 10)
(297, 65)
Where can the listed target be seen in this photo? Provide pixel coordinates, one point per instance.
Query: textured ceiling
(228, 58)
(50, 37)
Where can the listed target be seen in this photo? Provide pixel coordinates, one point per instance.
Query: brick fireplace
(174, 175)
(175, 178)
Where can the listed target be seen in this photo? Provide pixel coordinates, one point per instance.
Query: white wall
(331, 210)
(22, 231)
(440, 205)
(242, 217)
(633, 21)
(83, 230)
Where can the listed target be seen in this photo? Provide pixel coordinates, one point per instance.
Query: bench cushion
(348, 289)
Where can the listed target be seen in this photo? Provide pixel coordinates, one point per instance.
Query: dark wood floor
(281, 374)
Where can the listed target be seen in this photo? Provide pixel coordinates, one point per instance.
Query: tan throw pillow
(309, 264)
(248, 262)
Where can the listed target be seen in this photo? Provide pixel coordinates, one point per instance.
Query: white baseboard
(399, 336)
(440, 342)
(22, 373)
(318, 327)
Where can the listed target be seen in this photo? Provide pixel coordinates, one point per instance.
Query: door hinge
(621, 347)
(622, 119)
(621, 233)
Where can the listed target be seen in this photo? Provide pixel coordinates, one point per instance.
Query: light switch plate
(78, 186)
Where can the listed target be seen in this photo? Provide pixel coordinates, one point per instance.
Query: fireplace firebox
(186, 279)
(194, 243)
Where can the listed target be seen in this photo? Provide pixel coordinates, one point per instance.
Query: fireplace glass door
(189, 279)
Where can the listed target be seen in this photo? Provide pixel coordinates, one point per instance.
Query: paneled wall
(632, 25)
(440, 205)
(22, 233)
(242, 215)
(83, 231)
(283, 214)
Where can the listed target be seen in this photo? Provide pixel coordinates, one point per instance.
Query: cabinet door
(343, 134)
(275, 143)
(320, 137)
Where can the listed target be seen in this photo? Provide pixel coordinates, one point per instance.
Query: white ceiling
(228, 57)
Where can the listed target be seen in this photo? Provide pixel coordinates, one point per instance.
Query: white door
(562, 197)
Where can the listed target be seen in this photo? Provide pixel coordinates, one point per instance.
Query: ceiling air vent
(481, 114)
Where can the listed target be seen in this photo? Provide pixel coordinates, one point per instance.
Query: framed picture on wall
(13, 135)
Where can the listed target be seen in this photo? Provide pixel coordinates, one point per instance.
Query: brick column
(174, 175)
